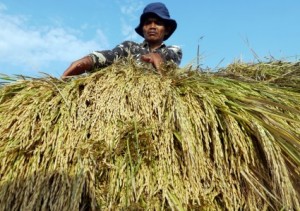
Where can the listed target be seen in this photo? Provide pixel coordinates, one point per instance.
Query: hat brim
(170, 23)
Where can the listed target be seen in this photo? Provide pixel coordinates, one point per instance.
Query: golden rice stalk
(128, 138)
(277, 73)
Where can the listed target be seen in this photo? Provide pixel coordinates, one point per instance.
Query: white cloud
(37, 47)
(101, 38)
(131, 11)
(2, 7)
(128, 30)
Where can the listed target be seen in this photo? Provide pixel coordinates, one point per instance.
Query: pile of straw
(126, 137)
(276, 73)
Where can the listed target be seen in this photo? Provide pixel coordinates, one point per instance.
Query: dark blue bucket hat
(160, 10)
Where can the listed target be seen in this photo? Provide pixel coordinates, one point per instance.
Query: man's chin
(152, 39)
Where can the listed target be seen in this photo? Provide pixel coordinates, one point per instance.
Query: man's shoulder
(129, 43)
(175, 48)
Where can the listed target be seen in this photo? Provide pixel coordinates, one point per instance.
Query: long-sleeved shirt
(104, 58)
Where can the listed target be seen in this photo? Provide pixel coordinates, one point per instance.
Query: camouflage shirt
(104, 58)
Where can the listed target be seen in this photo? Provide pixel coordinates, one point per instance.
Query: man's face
(154, 30)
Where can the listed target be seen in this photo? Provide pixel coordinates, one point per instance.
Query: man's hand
(154, 58)
(79, 67)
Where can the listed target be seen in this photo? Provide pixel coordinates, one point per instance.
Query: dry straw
(126, 137)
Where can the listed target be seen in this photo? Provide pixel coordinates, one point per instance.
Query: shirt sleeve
(107, 57)
(171, 53)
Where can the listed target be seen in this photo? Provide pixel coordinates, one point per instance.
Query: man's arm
(154, 58)
(170, 53)
(107, 57)
(79, 67)
(97, 59)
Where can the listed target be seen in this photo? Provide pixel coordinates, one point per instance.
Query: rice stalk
(128, 138)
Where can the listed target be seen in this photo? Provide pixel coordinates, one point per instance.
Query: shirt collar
(145, 44)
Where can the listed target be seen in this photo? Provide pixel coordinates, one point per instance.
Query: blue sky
(47, 35)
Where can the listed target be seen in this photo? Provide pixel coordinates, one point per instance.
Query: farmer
(155, 26)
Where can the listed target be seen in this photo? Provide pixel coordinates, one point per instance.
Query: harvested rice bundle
(277, 73)
(128, 138)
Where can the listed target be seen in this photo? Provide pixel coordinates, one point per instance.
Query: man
(155, 26)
